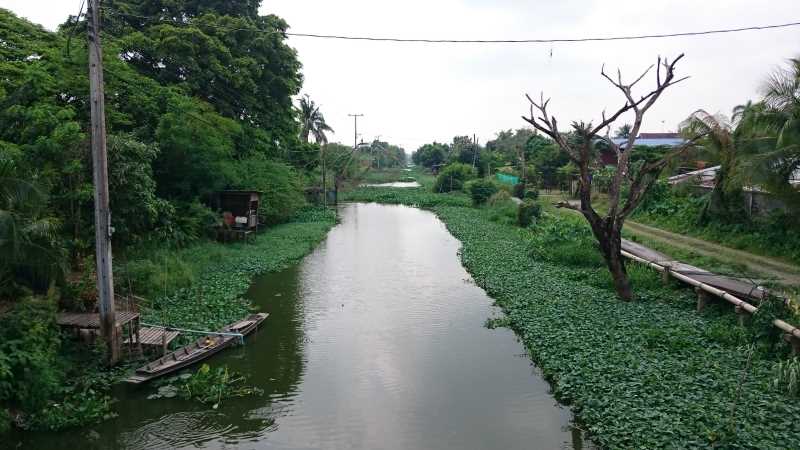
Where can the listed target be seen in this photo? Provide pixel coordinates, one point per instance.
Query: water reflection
(395, 184)
(376, 340)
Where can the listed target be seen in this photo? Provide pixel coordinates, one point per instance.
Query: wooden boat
(197, 351)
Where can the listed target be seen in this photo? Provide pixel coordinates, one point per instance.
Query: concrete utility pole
(474, 149)
(324, 184)
(102, 214)
(355, 129)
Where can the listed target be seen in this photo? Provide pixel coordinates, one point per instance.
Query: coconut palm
(28, 238)
(312, 121)
(770, 134)
(720, 142)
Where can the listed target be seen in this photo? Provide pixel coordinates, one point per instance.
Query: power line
(545, 41)
(473, 41)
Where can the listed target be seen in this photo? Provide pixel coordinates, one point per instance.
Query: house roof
(659, 136)
(653, 140)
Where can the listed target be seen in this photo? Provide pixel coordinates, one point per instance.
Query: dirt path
(782, 272)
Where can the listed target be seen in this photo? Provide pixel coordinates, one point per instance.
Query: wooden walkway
(739, 292)
(740, 287)
(91, 321)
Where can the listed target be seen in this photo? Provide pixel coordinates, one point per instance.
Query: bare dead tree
(607, 229)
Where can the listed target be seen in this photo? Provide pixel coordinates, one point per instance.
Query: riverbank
(74, 388)
(218, 274)
(647, 374)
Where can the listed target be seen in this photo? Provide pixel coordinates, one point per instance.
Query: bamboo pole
(739, 303)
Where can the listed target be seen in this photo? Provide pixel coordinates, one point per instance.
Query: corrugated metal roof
(652, 142)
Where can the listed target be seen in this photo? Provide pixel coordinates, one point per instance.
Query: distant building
(653, 140)
(609, 158)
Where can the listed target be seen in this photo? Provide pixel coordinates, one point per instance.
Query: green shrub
(480, 190)
(29, 342)
(498, 198)
(519, 190)
(5, 421)
(527, 213)
(453, 177)
(531, 194)
(502, 209)
(787, 377)
(565, 240)
(281, 187)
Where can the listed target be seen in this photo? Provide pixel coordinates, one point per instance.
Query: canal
(376, 340)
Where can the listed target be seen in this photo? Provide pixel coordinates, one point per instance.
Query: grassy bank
(647, 374)
(211, 277)
(771, 235)
(57, 382)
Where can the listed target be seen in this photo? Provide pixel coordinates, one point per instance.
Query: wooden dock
(158, 338)
(91, 321)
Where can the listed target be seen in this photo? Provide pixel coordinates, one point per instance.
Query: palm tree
(28, 238)
(312, 121)
(719, 140)
(770, 132)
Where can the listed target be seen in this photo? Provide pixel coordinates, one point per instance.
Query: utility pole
(474, 149)
(355, 128)
(324, 185)
(102, 214)
(379, 147)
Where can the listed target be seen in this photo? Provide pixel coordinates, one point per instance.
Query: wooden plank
(155, 336)
(92, 320)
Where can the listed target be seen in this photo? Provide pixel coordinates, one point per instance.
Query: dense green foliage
(35, 378)
(453, 177)
(421, 197)
(59, 383)
(192, 107)
(431, 155)
(647, 374)
(682, 212)
(481, 189)
(383, 155)
(29, 341)
(528, 212)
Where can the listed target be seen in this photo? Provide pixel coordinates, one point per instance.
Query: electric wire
(469, 41)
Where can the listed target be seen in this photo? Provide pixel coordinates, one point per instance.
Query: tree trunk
(609, 236)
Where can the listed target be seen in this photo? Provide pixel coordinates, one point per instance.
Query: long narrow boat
(197, 350)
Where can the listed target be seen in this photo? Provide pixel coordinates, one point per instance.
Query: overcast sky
(411, 94)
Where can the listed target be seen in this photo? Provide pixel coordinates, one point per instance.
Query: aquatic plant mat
(215, 298)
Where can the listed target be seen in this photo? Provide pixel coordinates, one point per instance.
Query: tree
(312, 121)
(772, 128)
(430, 155)
(719, 138)
(623, 132)
(579, 147)
(28, 236)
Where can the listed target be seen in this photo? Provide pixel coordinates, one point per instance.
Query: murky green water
(375, 341)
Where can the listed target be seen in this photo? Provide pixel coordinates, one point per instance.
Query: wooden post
(702, 299)
(794, 341)
(741, 314)
(665, 278)
(102, 214)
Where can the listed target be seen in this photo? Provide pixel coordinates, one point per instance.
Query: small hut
(239, 209)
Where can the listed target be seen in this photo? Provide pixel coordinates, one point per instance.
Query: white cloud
(415, 93)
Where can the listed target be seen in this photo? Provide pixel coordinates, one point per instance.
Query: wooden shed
(239, 208)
